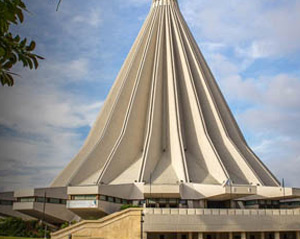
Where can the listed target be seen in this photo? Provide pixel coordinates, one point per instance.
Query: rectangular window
(124, 201)
(173, 201)
(6, 202)
(85, 197)
(118, 200)
(110, 199)
(40, 199)
(29, 199)
(103, 198)
(54, 200)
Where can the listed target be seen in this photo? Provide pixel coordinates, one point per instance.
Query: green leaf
(17, 38)
(8, 65)
(30, 64)
(36, 63)
(23, 43)
(2, 52)
(32, 46)
(20, 15)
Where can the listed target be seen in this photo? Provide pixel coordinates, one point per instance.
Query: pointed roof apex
(163, 2)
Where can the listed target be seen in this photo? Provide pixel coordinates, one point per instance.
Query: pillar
(203, 203)
(200, 235)
(277, 235)
(230, 235)
(190, 235)
(144, 235)
(298, 235)
(262, 235)
(244, 236)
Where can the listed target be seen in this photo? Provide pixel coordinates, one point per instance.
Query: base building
(166, 141)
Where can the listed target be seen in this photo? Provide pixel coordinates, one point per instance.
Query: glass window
(40, 199)
(6, 202)
(85, 197)
(103, 198)
(110, 199)
(31, 199)
(54, 200)
(118, 200)
(173, 201)
(63, 201)
(162, 200)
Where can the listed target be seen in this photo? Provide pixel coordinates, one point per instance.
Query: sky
(252, 47)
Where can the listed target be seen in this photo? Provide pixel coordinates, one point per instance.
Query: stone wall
(120, 225)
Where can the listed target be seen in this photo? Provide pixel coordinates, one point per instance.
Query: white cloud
(270, 116)
(256, 29)
(40, 126)
(92, 18)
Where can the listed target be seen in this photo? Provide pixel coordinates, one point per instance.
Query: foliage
(14, 49)
(66, 224)
(16, 227)
(126, 206)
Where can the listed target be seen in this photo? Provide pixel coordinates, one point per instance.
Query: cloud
(41, 127)
(255, 29)
(268, 111)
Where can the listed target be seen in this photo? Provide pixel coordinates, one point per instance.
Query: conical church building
(167, 143)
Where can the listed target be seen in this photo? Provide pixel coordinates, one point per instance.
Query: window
(29, 199)
(118, 200)
(54, 200)
(110, 199)
(161, 237)
(103, 198)
(85, 197)
(6, 202)
(124, 201)
(40, 199)
(183, 237)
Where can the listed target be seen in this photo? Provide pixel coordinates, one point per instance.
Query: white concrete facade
(165, 137)
(165, 120)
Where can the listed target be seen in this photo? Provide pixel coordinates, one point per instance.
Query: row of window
(102, 198)
(292, 203)
(43, 200)
(171, 202)
(6, 202)
(262, 202)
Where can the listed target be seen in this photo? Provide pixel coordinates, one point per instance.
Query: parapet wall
(122, 225)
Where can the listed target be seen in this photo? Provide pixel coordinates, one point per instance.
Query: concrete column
(203, 203)
(230, 235)
(297, 235)
(277, 235)
(200, 235)
(190, 235)
(262, 235)
(244, 236)
(144, 235)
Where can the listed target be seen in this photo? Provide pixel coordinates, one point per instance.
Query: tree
(14, 49)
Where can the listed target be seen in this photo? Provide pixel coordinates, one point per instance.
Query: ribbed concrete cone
(165, 117)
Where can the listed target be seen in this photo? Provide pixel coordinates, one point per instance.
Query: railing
(222, 212)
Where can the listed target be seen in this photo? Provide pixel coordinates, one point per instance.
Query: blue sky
(252, 47)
